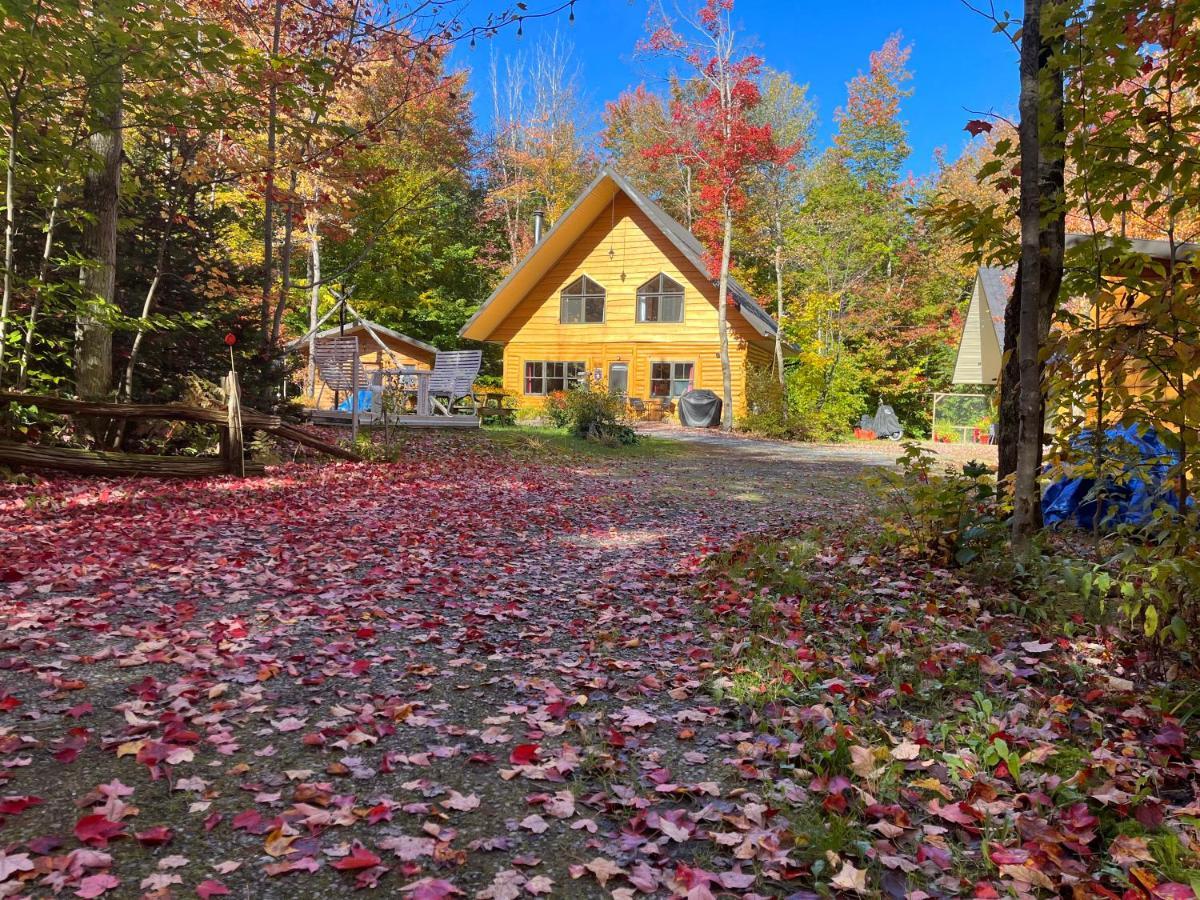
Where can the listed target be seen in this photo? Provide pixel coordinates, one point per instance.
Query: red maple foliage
(723, 141)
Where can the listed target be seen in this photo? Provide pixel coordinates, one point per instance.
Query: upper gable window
(660, 300)
(582, 303)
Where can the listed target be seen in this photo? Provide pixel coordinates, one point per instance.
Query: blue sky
(958, 63)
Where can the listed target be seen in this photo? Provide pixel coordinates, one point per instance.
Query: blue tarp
(364, 402)
(1141, 464)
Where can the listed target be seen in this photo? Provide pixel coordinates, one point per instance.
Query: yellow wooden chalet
(617, 290)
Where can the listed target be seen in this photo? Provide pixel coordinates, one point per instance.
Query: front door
(618, 378)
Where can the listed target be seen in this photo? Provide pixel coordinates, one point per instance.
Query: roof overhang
(359, 329)
(595, 198)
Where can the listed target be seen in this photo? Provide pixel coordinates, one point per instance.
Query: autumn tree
(640, 120)
(848, 237)
(727, 143)
(777, 191)
(537, 159)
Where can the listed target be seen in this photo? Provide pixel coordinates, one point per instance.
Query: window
(582, 303)
(670, 379)
(660, 300)
(548, 377)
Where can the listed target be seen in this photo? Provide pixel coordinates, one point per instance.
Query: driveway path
(476, 672)
(860, 453)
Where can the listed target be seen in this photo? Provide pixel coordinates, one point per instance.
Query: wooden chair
(638, 407)
(338, 363)
(453, 378)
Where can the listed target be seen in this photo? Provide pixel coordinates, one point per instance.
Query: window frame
(545, 378)
(638, 310)
(672, 378)
(583, 281)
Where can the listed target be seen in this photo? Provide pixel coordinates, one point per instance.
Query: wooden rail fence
(234, 420)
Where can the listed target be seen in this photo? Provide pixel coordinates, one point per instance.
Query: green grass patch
(545, 442)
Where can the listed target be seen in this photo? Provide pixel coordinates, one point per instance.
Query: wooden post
(354, 386)
(232, 449)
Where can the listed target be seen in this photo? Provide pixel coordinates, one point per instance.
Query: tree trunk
(1008, 419)
(285, 265)
(269, 193)
(723, 324)
(148, 304)
(779, 308)
(10, 223)
(314, 301)
(43, 277)
(97, 277)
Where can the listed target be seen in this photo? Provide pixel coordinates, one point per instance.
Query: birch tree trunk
(285, 264)
(779, 306)
(269, 193)
(1029, 436)
(10, 221)
(35, 306)
(314, 300)
(101, 196)
(723, 324)
(148, 304)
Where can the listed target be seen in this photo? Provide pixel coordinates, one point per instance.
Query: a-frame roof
(362, 328)
(568, 229)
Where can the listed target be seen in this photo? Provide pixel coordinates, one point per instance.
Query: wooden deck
(342, 417)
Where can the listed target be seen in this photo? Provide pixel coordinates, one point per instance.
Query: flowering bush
(555, 409)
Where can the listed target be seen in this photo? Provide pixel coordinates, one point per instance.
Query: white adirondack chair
(337, 360)
(454, 373)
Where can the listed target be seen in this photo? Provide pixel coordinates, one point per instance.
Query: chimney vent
(539, 221)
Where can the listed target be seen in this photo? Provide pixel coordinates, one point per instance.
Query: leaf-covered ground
(495, 670)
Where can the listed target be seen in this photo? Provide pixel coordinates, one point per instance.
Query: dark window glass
(670, 379)
(582, 303)
(548, 377)
(660, 300)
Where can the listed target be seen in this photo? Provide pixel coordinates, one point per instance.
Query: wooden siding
(621, 250)
(704, 356)
(979, 352)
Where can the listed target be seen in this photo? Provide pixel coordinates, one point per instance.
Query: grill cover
(700, 409)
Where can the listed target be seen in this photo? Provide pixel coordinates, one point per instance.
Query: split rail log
(99, 462)
(88, 461)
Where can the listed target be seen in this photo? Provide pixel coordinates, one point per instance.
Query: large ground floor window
(547, 377)
(670, 379)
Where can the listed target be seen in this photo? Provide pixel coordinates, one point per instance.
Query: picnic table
(496, 407)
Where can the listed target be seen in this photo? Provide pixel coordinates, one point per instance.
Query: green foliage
(1152, 575)
(595, 414)
(948, 517)
(819, 401)
(766, 404)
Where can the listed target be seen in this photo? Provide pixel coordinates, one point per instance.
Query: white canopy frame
(343, 303)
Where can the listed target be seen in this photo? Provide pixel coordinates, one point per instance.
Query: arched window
(660, 300)
(582, 303)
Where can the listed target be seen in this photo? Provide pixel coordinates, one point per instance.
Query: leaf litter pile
(476, 673)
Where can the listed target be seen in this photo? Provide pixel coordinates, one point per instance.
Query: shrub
(949, 517)
(766, 404)
(820, 402)
(825, 397)
(1153, 575)
(555, 411)
(596, 415)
